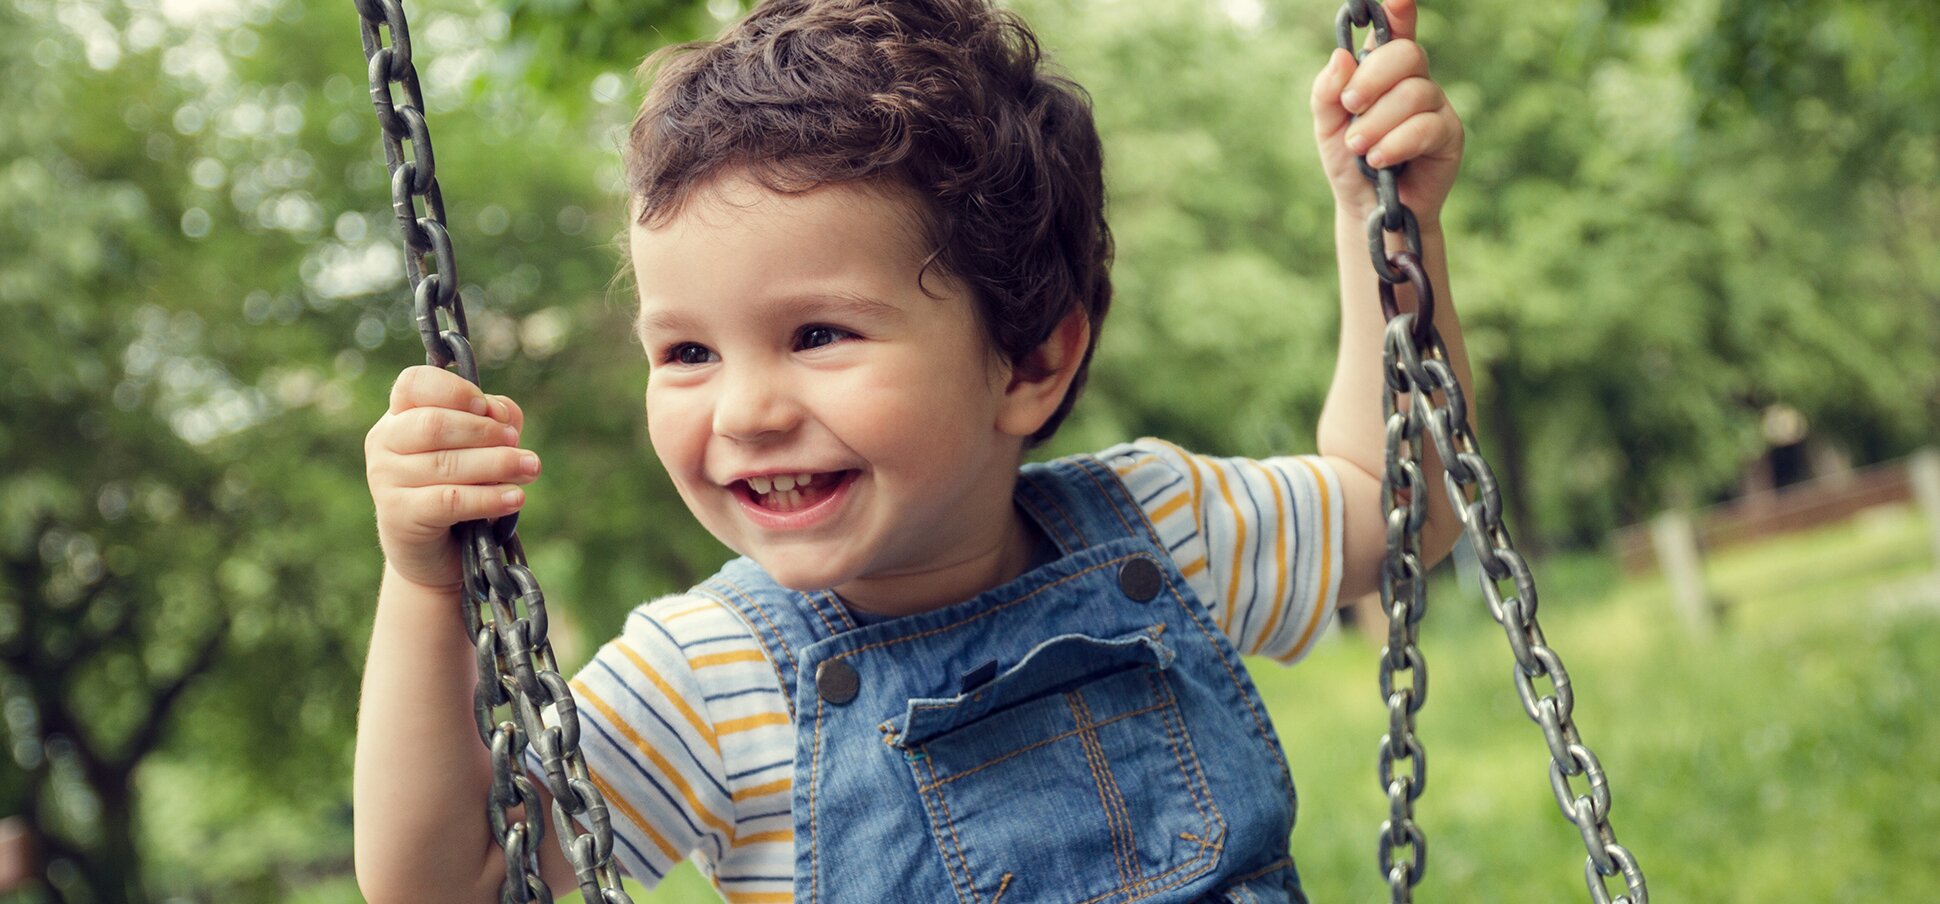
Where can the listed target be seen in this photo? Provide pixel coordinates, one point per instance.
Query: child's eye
(688, 354)
(817, 336)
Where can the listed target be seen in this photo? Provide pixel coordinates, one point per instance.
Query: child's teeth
(760, 484)
(801, 480)
(784, 482)
(793, 501)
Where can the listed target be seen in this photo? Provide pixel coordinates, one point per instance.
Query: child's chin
(800, 576)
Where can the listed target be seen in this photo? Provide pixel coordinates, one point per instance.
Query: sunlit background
(1696, 247)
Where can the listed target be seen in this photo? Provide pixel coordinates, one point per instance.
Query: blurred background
(1696, 247)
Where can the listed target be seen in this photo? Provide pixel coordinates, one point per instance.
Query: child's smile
(785, 501)
(816, 410)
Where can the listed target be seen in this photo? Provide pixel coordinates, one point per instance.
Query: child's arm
(422, 774)
(1403, 117)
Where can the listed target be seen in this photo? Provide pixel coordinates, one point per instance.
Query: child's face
(787, 336)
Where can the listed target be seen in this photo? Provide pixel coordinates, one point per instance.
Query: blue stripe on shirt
(627, 686)
(1259, 542)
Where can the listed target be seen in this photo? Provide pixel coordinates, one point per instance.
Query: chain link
(504, 610)
(1424, 395)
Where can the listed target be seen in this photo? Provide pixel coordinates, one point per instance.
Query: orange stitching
(1245, 697)
(1206, 850)
(943, 803)
(812, 607)
(1026, 749)
(936, 834)
(1000, 889)
(1085, 742)
(1118, 796)
(1117, 500)
(1277, 864)
(1172, 741)
(1185, 741)
(841, 611)
(1209, 863)
(814, 766)
(1043, 524)
(1073, 525)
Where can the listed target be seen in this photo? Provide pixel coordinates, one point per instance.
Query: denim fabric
(1052, 740)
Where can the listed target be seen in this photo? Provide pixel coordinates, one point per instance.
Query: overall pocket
(1068, 778)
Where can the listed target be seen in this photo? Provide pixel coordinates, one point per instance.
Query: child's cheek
(677, 428)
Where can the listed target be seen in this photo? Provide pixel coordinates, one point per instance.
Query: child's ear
(1038, 382)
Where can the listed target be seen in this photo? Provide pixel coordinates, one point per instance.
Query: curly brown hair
(947, 98)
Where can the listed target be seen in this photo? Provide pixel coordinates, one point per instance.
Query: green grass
(1791, 757)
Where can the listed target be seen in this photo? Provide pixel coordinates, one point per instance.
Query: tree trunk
(1503, 450)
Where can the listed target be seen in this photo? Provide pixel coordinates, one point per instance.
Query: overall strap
(783, 620)
(1079, 502)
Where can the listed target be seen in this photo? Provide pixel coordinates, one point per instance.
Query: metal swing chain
(516, 668)
(1422, 391)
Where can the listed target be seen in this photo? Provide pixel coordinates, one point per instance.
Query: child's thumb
(1329, 116)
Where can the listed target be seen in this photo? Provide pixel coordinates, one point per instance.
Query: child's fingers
(447, 505)
(1329, 115)
(429, 429)
(1411, 96)
(1401, 19)
(434, 387)
(1381, 70)
(1419, 135)
(508, 411)
(469, 467)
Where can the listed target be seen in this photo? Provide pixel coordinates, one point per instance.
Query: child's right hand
(444, 453)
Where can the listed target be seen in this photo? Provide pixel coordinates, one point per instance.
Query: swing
(517, 670)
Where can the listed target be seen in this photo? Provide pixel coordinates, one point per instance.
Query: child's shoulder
(1129, 457)
(683, 626)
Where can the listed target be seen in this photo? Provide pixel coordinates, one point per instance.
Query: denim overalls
(1084, 734)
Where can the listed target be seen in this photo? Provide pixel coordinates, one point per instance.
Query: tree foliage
(1673, 217)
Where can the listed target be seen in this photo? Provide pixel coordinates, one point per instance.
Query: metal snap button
(836, 681)
(1141, 579)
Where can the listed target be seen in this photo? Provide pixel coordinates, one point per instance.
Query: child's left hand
(1403, 118)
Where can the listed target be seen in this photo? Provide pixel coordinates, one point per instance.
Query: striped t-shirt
(686, 734)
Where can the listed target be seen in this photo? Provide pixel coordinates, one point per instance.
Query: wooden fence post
(1923, 471)
(1675, 539)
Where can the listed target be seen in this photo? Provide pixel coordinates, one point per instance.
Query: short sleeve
(650, 747)
(1258, 540)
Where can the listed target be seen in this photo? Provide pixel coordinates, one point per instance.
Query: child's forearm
(1351, 425)
(422, 775)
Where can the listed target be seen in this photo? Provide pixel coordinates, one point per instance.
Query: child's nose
(753, 405)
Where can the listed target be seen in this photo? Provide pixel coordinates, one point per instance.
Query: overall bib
(1084, 734)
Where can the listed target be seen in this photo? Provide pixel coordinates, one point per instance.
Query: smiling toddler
(873, 264)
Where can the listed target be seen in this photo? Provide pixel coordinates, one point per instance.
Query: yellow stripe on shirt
(710, 604)
(1239, 553)
(787, 835)
(680, 703)
(710, 659)
(748, 723)
(619, 803)
(1171, 505)
(1326, 565)
(757, 897)
(673, 775)
(763, 790)
(1279, 559)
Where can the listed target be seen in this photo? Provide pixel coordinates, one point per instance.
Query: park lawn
(1790, 757)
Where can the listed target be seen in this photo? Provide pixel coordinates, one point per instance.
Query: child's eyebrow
(806, 306)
